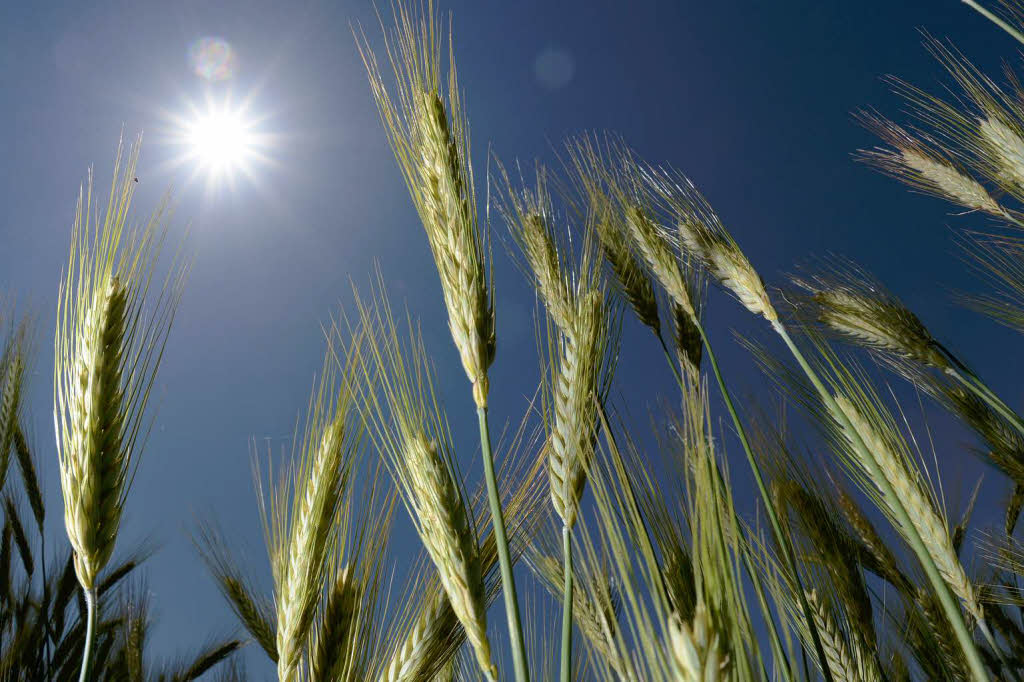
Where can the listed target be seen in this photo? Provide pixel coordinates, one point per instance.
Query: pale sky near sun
(259, 117)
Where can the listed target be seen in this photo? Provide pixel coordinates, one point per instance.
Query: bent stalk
(949, 605)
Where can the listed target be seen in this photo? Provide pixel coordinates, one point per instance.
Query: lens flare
(212, 58)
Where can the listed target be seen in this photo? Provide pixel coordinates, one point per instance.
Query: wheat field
(588, 548)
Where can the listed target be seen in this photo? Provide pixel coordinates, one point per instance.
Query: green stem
(978, 387)
(783, 541)
(748, 564)
(671, 361)
(995, 20)
(566, 675)
(949, 605)
(508, 581)
(90, 625)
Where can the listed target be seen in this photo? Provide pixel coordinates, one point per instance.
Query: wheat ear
(12, 382)
(106, 354)
(907, 486)
(924, 166)
(577, 384)
(428, 134)
(411, 431)
(598, 184)
(331, 647)
(840, 662)
(695, 649)
(301, 513)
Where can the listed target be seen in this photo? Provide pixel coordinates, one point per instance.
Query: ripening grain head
(427, 130)
(303, 510)
(107, 350)
(853, 304)
(410, 429)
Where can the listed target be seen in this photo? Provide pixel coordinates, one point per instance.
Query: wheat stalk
(907, 486)
(430, 140)
(303, 511)
(106, 354)
(410, 430)
(428, 134)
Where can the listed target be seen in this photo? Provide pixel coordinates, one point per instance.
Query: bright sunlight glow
(221, 141)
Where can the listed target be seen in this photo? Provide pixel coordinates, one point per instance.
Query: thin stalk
(787, 551)
(90, 625)
(508, 581)
(973, 383)
(949, 605)
(671, 362)
(995, 20)
(748, 564)
(566, 671)
(976, 386)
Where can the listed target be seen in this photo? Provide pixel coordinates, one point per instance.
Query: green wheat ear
(106, 354)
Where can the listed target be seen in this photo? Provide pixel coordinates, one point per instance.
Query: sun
(219, 141)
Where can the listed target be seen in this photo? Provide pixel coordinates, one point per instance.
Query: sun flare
(221, 140)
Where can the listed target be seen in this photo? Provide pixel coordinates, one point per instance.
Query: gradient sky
(751, 99)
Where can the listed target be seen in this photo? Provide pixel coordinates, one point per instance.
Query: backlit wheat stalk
(411, 432)
(426, 127)
(107, 350)
(429, 136)
(302, 511)
(907, 486)
(582, 350)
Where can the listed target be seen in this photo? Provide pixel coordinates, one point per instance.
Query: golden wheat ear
(112, 327)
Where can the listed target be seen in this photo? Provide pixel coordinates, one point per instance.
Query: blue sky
(751, 99)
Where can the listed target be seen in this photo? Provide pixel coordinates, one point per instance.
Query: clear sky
(751, 99)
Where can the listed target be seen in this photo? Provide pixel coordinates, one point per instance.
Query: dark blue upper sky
(751, 99)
